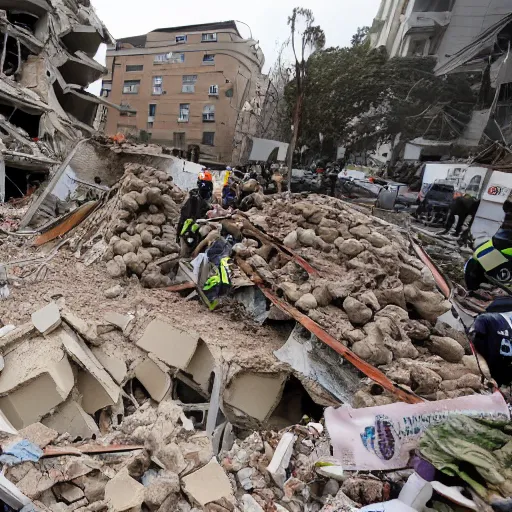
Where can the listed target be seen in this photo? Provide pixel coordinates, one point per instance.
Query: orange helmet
(205, 176)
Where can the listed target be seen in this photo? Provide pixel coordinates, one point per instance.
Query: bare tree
(304, 43)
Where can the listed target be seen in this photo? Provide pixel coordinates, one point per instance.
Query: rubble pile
(369, 293)
(145, 230)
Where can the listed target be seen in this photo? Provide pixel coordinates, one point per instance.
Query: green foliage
(360, 36)
(358, 97)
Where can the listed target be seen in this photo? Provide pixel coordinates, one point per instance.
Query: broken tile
(170, 344)
(94, 396)
(210, 483)
(39, 434)
(154, 378)
(255, 394)
(114, 366)
(67, 492)
(72, 419)
(123, 492)
(281, 459)
(121, 321)
(47, 319)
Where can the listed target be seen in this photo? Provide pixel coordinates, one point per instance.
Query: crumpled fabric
(21, 451)
(476, 451)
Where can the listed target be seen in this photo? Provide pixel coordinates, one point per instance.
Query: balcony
(427, 22)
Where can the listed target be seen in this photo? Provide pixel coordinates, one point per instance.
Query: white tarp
(381, 438)
(261, 149)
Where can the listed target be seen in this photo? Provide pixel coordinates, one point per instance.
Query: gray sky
(267, 18)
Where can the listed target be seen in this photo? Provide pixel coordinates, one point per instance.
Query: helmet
(228, 168)
(205, 176)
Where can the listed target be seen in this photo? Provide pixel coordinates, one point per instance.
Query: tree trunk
(295, 135)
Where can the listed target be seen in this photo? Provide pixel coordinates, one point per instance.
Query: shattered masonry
(47, 50)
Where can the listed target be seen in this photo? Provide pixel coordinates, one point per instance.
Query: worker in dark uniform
(195, 207)
(491, 336)
(463, 206)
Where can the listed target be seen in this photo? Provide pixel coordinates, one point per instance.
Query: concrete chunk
(115, 366)
(121, 321)
(47, 319)
(123, 492)
(208, 484)
(281, 459)
(156, 381)
(86, 330)
(37, 377)
(72, 419)
(201, 366)
(171, 345)
(67, 492)
(96, 385)
(39, 434)
(255, 394)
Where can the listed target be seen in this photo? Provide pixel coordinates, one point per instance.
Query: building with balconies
(195, 88)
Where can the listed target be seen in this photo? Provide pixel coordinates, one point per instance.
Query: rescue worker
(229, 190)
(464, 207)
(219, 283)
(492, 261)
(194, 208)
(491, 336)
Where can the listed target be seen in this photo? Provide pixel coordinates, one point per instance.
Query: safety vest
(221, 276)
(189, 225)
(490, 257)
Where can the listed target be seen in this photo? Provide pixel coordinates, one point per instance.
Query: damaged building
(47, 62)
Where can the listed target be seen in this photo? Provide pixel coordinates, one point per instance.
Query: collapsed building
(47, 62)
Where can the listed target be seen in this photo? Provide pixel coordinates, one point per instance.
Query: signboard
(381, 438)
(499, 187)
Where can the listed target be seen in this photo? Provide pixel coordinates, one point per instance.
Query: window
(161, 59)
(134, 67)
(181, 39)
(208, 113)
(106, 88)
(417, 48)
(131, 87)
(179, 140)
(184, 113)
(209, 59)
(208, 138)
(152, 110)
(474, 185)
(176, 58)
(214, 90)
(150, 124)
(188, 83)
(157, 85)
(209, 37)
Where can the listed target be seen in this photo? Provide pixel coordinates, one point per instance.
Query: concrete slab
(201, 366)
(67, 492)
(39, 434)
(34, 399)
(91, 392)
(114, 366)
(210, 483)
(120, 321)
(47, 319)
(83, 328)
(255, 394)
(123, 492)
(171, 345)
(94, 396)
(72, 419)
(154, 378)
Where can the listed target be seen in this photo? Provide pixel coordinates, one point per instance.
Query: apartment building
(194, 88)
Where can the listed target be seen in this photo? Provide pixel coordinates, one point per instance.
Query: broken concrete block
(103, 390)
(84, 329)
(72, 419)
(114, 366)
(170, 344)
(255, 394)
(39, 434)
(123, 492)
(281, 459)
(67, 492)
(208, 484)
(201, 366)
(47, 319)
(156, 381)
(37, 377)
(121, 321)
(250, 504)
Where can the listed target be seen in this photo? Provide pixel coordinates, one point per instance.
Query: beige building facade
(195, 88)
